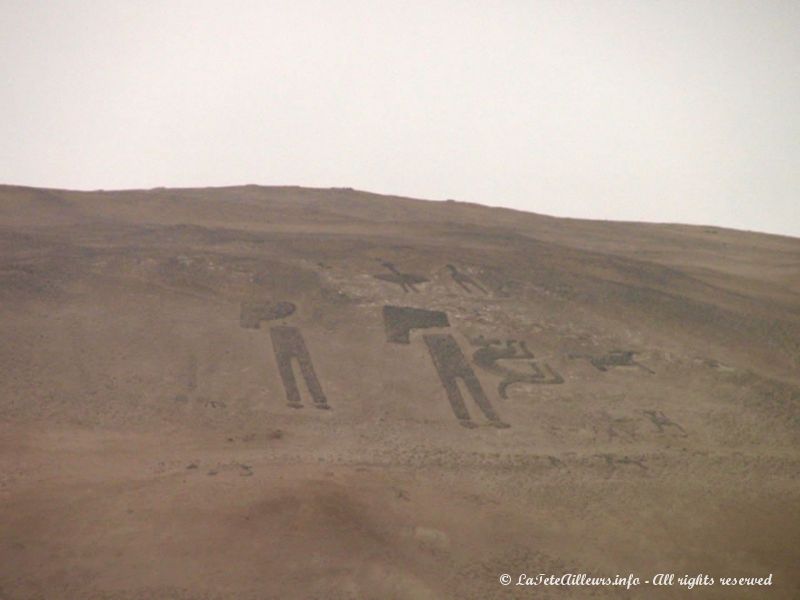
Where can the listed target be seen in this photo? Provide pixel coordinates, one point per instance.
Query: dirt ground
(256, 393)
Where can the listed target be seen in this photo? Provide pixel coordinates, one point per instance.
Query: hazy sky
(684, 111)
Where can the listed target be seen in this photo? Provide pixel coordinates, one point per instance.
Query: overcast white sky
(683, 111)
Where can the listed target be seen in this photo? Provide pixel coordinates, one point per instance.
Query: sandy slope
(649, 376)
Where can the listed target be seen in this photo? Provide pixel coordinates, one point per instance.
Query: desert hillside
(279, 392)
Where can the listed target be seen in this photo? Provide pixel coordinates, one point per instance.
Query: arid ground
(277, 392)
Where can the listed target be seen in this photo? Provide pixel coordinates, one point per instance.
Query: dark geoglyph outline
(614, 358)
(398, 321)
(493, 350)
(287, 344)
(464, 280)
(253, 312)
(448, 359)
(407, 281)
(452, 365)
